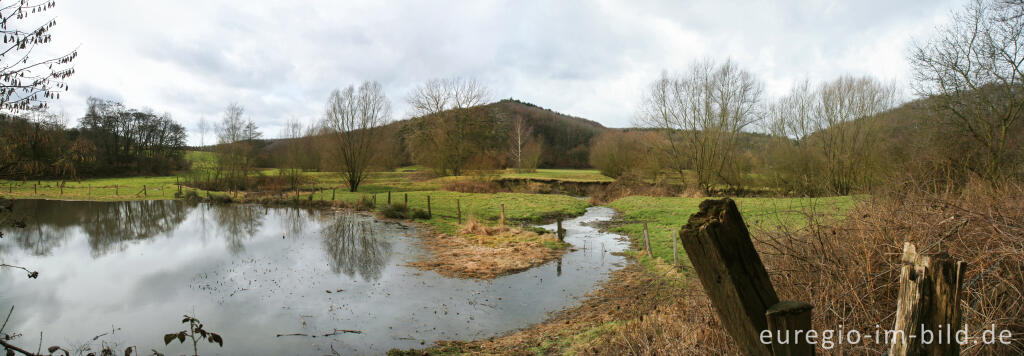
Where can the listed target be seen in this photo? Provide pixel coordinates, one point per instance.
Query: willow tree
(702, 112)
(352, 122)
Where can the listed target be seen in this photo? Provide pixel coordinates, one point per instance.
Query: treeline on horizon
(110, 140)
(708, 127)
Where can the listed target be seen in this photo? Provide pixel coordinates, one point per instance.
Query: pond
(124, 273)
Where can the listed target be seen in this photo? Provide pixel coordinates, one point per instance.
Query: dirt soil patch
(485, 252)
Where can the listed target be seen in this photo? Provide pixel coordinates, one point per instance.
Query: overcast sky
(280, 59)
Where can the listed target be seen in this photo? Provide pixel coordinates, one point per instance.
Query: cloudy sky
(280, 59)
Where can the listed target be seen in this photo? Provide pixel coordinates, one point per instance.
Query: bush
(364, 204)
(420, 214)
(396, 211)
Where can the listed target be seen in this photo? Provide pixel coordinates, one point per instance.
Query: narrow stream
(127, 271)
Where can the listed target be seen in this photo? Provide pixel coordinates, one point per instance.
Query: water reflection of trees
(238, 223)
(354, 246)
(108, 225)
(112, 224)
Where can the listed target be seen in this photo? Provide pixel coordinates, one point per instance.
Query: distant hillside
(566, 138)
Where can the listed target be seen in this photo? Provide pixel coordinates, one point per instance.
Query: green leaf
(53, 349)
(181, 337)
(169, 337)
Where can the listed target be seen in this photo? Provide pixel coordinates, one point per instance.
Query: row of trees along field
(110, 139)
(712, 128)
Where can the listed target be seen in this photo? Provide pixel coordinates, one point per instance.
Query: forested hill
(566, 138)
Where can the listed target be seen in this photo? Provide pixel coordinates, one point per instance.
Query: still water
(124, 273)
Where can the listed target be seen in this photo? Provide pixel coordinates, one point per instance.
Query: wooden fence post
(429, 213)
(405, 199)
(723, 256)
(930, 298)
(458, 210)
(675, 253)
(35, 189)
(62, 188)
(144, 193)
(389, 197)
(647, 242)
(332, 193)
(790, 319)
(501, 218)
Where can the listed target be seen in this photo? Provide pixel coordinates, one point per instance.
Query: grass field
(665, 215)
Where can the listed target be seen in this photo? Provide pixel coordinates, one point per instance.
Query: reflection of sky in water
(250, 273)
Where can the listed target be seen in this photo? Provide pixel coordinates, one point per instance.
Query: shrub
(396, 211)
(420, 214)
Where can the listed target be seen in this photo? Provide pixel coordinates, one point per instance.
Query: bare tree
(445, 138)
(352, 120)
(290, 160)
(702, 112)
(846, 124)
(973, 69)
(26, 83)
(524, 148)
(203, 127)
(236, 147)
(437, 95)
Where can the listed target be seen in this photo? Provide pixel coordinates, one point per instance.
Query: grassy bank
(665, 215)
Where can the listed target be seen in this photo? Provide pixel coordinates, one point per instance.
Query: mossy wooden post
(647, 242)
(791, 320)
(723, 256)
(458, 210)
(929, 297)
(501, 218)
(430, 214)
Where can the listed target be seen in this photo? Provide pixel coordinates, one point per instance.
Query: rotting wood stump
(929, 302)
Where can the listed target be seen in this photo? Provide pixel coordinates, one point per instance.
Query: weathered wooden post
(501, 218)
(647, 242)
(430, 214)
(929, 298)
(405, 199)
(117, 191)
(332, 193)
(374, 199)
(723, 256)
(62, 188)
(144, 193)
(791, 320)
(389, 197)
(458, 210)
(35, 189)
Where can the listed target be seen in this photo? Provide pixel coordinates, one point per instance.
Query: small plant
(364, 204)
(195, 332)
(420, 214)
(396, 211)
